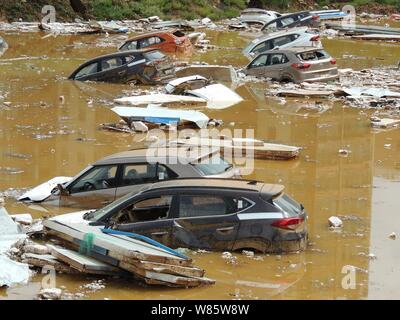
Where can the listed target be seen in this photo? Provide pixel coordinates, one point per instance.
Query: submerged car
(258, 16)
(146, 66)
(173, 41)
(116, 175)
(295, 64)
(296, 37)
(291, 20)
(211, 214)
(215, 94)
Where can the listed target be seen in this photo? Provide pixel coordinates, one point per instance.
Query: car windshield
(288, 205)
(212, 166)
(98, 214)
(313, 55)
(154, 55)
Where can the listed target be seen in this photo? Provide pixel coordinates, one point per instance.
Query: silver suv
(116, 175)
(295, 64)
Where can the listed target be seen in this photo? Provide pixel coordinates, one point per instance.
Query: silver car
(295, 64)
(116, 175)
(258, 16)
(296, 37)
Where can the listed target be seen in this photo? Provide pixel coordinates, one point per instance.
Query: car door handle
(225, 230)
(161, 233)
(121, 73)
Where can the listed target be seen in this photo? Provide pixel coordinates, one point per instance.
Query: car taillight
(315, 38)
(301, 66)
(333, 61)
(288, 223)
(315, 18)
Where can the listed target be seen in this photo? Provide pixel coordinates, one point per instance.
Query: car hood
(73, 217)
(217, 95)
(43, 191)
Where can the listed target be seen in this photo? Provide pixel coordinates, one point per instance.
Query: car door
(136, 174)
(149, 215)
(87, 73)
(205, 221)
(94, 189)
(276, 64)
(257, 66)
(113, 70)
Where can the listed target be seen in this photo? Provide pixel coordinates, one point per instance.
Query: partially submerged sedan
(147, 66)
(296, 37)
(295, 64)
(291, 20)
(257, 16)
(116, 175)
(173, 41)
(212, 214)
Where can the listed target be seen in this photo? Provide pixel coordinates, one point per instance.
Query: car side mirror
(63, 191)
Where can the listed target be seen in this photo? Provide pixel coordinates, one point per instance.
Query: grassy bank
(168, 9)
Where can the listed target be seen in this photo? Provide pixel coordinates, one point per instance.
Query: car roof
(270, 190)
(149, 34)
(294, 50)
(280, 33)
(121, 53)
(161, 154)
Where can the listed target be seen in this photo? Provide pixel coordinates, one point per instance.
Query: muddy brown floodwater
(42, 137)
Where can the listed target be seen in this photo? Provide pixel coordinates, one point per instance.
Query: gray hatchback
(295, 64)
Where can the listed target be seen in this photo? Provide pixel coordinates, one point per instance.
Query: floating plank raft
(244, 147)
(145, 261)
(385, 123)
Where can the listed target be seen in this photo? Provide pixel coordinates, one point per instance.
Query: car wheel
(254, 244)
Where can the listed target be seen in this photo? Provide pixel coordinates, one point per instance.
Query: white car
(296, 37)
(258, 16)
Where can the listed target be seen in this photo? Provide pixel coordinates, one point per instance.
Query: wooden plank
(117, 248)
(168, 278)
(42, 260)
(385, 123)
(83, 263)
(170, 269)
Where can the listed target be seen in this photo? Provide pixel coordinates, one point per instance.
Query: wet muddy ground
(42, 136)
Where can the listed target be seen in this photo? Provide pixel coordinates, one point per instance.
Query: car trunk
(163, 65)
(318, 64)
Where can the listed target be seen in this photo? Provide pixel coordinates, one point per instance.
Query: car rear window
(178, 34)
(288, 205)
(213, 165)
(154, 55)
(313, 55)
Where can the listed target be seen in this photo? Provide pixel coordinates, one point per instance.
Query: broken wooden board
(306, 93)
(42, 260)
(385, 123)
(115, 246)
(83, 263)
(243, 147)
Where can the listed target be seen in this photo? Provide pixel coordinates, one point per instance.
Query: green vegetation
(169, 9)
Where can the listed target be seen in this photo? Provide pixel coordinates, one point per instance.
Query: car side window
(111, 63)
(277, 58)
(282, 41)
(148, 209)
(133, 174)
(271, 26)
(98, 178)
(133, 45)
(287, 21)
(129, 59)
(260, 61)
(262, 47)
(205, 205)
(149, 41)
(88, 70)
